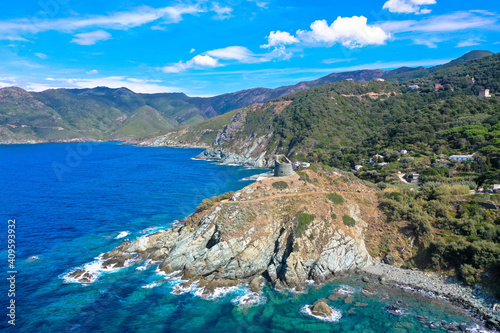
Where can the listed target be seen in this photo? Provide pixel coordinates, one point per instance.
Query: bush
(205, 204)
(467, 274)
(208, 203)
(335, 198)
(334, 216)
(281, 185)
(348, 221)
(303, 176)
(420, 226)
(303, 220)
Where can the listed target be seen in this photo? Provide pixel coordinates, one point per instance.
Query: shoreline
(479, 304)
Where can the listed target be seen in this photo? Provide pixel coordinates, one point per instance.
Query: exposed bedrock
(262, 231)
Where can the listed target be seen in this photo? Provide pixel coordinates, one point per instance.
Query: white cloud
(337, 60)
(136, 85)
(408, 6)
(90, 38)
(440, 23)
(17, 28)
(230, 54)
(198, 62)
(261, 4)
(41, 55)
(192, 50)
(7, 82)
(430, 43)
(221, 13)
(349, 31)
(204, 61)
(13, 38)
(239, 53)
(92, 72)
(469, 42)
(279, 38)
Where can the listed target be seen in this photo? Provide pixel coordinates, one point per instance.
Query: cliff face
(285, 230)
(245, 138)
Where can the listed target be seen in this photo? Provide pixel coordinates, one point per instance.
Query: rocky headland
(287, 231)
(284, 230)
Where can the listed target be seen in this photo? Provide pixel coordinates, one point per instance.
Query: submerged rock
(82, 276)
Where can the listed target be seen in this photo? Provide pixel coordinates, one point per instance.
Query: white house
(461, 158)
(380, 80)
(305, 165)
(496, 188)
(403, 152)
(357, 167)
(414, 87)
(484, 93)
(376, 157)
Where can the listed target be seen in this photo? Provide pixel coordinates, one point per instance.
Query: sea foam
(122, 234)
(335, 316)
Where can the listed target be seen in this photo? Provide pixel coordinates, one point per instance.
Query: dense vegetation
(451, 229)
(339, 125)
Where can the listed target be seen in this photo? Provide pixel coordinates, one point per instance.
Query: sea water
(72, 202)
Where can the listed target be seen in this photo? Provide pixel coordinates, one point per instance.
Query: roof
(461, 156)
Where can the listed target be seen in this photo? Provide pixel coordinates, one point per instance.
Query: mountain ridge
(100, 113)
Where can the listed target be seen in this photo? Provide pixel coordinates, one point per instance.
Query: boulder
(389, 259)
(255, 285)
(321, 309)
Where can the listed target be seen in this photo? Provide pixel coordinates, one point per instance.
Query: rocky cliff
(245, 139)
(286, 230)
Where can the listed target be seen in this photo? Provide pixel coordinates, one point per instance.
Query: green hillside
(421, 72)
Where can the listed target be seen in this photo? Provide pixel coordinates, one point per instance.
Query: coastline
(479, 304)
(35, 142)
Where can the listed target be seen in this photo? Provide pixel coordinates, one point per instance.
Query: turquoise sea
(72, 202)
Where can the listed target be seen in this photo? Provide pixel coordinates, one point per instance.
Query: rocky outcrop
(229, 131)
(225, 156)
(286, 234)
(321, 309)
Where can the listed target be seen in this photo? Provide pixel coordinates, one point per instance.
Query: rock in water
(389, 259)
(321, 309)
(255, 285)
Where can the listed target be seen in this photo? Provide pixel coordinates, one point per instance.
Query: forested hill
(116, 114)
(343, 123)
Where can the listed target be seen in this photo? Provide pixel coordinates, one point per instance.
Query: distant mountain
(103, 113)
(422, 71)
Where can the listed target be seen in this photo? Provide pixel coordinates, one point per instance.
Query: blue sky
(206, 48)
